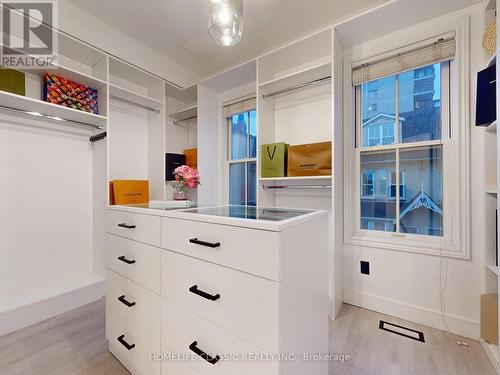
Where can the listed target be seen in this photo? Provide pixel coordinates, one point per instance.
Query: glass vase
(180, 192)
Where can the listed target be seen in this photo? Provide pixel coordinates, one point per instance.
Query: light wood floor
(74, 344)
(377, 352)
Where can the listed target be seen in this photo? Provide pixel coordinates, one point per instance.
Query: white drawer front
(134, 303)
(182, 330)
(171, 366)
(249, 250)
(138, 358)
(134, 260)
(241, 303)
(143, 228)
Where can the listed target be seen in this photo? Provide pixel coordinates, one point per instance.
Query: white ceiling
(178, 28)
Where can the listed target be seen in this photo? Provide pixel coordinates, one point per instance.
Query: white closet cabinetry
(231, 290)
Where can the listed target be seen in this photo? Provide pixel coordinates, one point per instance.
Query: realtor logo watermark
(29, 38)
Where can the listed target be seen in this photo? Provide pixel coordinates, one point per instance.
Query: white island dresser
(218, 291)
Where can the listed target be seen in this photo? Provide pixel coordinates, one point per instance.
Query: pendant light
(226, 21)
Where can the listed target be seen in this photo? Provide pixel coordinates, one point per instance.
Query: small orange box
(191, 157)
(130, 191)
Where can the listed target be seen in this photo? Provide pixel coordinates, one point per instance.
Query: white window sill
(407, 242)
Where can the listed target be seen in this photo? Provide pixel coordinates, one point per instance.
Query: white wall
(85, 26)
(46, 200)
(128, 147)
(409, 285)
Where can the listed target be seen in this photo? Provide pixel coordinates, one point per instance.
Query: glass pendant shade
(226, 21)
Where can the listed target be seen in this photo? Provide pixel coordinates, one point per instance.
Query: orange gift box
(129, 192)
(191, 157)
(313, 159)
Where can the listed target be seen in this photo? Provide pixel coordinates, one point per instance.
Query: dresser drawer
(244, 304)
(131, 345)
(185, 333)
(249, 250)
(133, 302)
(171, 366)
(134, 260)
(138, 227)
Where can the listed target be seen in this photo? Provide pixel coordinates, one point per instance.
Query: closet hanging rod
(298, 87)
(98, 137)
(52, 118)
(180, 122)
(136, 104)
(309, 187)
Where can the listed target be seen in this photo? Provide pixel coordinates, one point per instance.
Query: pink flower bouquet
(187, 179)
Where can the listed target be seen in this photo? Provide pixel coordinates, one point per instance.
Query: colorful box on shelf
(313, 159)
(129, 192)
(274, 158)
(191, 157)
(12, 81)
(61, 91)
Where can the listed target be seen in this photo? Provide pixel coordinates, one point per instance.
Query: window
(401, 144)
(242, 158)
(367, 184)
(402, 186)
(424, 94)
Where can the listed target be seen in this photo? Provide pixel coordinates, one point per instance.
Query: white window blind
(441, 50)
(239, 107)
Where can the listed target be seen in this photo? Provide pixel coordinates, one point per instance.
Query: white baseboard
(447, 322)
(53, 302)
(492, 353)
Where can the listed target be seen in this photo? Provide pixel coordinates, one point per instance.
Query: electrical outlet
(365, 267)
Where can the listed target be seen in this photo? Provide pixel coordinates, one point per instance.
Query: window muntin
(416, 97)
(242, 151)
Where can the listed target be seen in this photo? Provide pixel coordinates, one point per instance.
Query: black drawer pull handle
(125, 302)
(122, 341)
(194, 289)
(203, 243)
(202, 354)
(123, 225)
(125, 260)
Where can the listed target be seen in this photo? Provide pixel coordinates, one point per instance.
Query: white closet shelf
(185, 114)
(301, 178)
(493, 268)
(35, 106)
(34, 291)
(491, 192)
(69, 74)
(133, 97)
(491, 61)
(492, 127)
(295, 79)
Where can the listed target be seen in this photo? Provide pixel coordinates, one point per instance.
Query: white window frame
(456, 163)
(229, 161)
